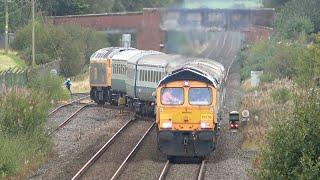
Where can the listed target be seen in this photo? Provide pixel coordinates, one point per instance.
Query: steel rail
(117, 173)
(69, 118)
(164, 171)
(201, 170)
(99, 153)
(67, 104)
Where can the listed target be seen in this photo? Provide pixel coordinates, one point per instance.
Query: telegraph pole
(6, 38)
(33, 36)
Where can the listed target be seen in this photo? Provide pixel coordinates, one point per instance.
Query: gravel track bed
(79, 140)
(147, 162)
(61, 115)
(229, 161)
(109, 162)
(183, 171)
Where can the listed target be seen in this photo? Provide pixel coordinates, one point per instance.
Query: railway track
(101, 164)
(66, 121)
(69, 103)
(199, 168)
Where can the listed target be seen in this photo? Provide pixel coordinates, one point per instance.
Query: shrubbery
(72, 44)
(297, 61)
(292, 147)
(23, 142)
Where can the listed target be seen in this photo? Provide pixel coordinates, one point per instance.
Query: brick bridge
(151, 25)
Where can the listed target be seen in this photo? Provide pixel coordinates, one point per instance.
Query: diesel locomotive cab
(186, 116)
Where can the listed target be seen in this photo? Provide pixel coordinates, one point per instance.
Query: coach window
(200, 96)
(140, 77)
(147, 76)
(158, 76)
(122, 69)
(144, 75)
(152, 76)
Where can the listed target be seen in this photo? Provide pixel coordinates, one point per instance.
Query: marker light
(232, 125)
(167, 125)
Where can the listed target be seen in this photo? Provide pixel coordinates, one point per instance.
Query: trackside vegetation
(23, 142)
(71, 44)
(285, 108)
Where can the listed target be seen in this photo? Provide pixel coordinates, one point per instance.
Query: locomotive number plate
(206, 117)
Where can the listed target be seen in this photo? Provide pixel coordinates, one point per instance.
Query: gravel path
(108, 163)
(79, 140)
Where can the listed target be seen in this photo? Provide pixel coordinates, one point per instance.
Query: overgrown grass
(19, 155)
(81, 83)
(263, 103)
(10, 60)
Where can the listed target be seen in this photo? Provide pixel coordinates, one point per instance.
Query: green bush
(32, 113)
(70, 43)
(292, 147)
(22, 119)
(49, 87)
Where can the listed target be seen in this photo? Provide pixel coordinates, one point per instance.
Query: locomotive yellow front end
(186, 116)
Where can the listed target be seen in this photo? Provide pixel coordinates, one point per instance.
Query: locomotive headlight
(204, 125)
(166, 125)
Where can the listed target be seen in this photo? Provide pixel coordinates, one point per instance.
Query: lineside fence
(17, 78)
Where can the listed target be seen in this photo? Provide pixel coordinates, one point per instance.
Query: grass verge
(10, 60)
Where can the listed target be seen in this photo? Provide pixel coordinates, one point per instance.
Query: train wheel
(100, 102)
(170, 158)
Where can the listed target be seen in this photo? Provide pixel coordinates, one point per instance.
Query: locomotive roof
(126, 54)
(211, 67)
(105, 53)
(189, 73)
(159, 60)
(138, 57)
